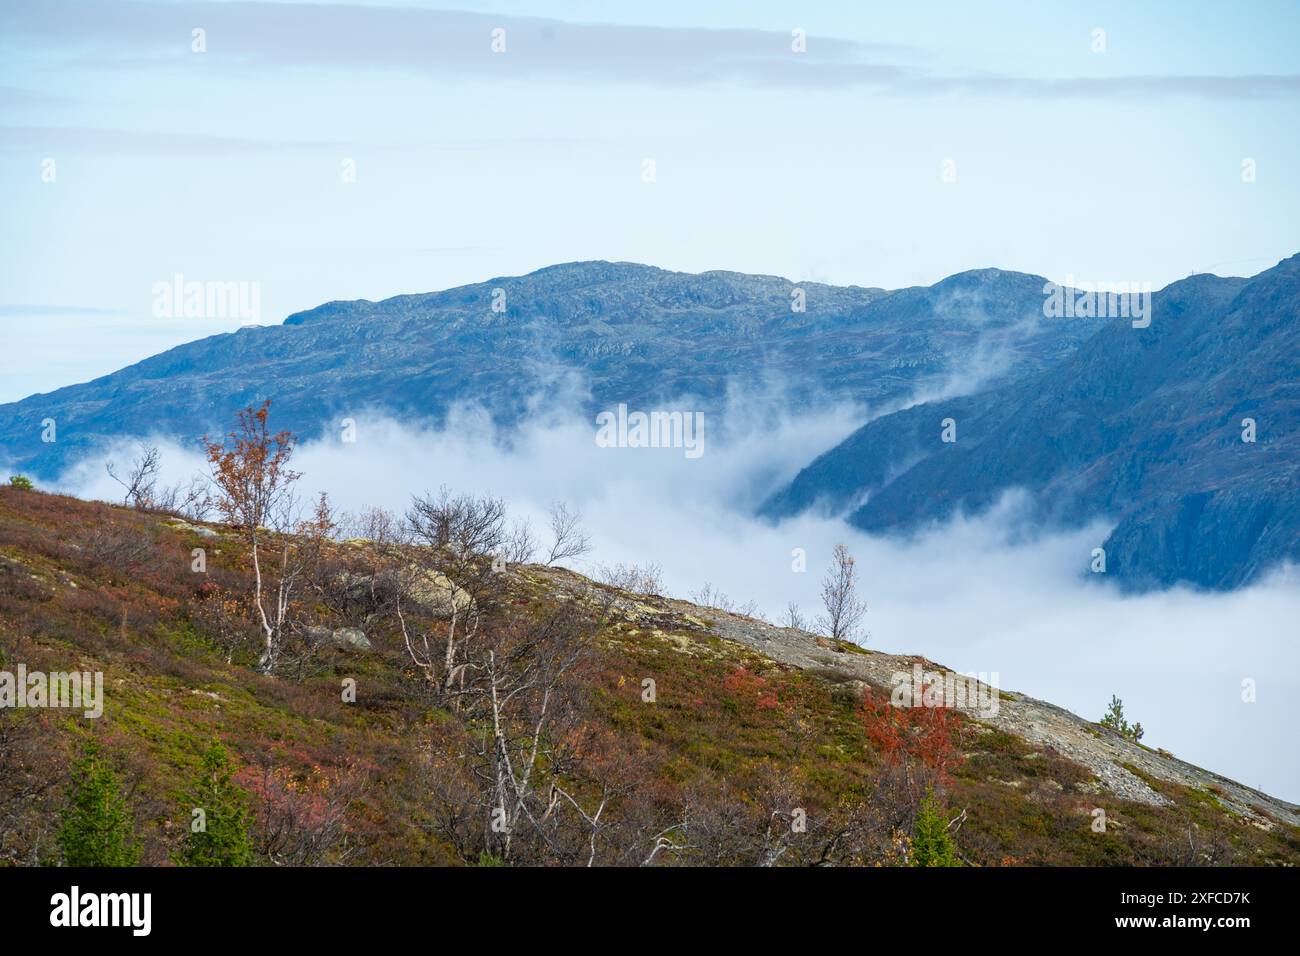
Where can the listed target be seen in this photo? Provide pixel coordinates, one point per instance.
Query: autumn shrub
(301, 817)
(929, 736)
(117, 548)
(748, 691)
(28, 774)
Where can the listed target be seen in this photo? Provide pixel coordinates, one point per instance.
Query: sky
(323, 151)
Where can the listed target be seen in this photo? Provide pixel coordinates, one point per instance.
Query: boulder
(438, 593)
(348, 638)
(198, 529)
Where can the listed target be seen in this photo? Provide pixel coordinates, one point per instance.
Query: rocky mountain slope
(1144, 426)
(744, 724)
(589, 334)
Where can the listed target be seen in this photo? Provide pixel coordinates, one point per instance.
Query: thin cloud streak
(85, 139)
(251, 37)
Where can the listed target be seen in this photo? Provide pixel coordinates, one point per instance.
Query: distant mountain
(1144, 426)
(622, 332)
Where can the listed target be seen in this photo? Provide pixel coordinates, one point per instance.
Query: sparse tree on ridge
(1116, 721)
(458, 535)
(569, 540)
(141, 478)
(844, 609)
(794, 617)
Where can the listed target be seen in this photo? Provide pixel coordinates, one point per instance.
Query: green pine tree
(218, 837)
(96, 823)
(1116, 721)
(931, 843)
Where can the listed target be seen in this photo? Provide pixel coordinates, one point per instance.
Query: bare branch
(141, 478)
(569, 540)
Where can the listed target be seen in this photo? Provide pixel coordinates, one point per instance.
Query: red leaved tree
(254, 484)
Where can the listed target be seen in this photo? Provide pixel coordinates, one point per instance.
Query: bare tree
(141, 478)
(520, 684)
(520, 544)
(569, 540)
(378, 525)
(121, 546)
(640, 579)
(844, 609)
(511, 778)
(794, 617)
(1197, 847)
(709, 596)
(190, 500)
(459, 536)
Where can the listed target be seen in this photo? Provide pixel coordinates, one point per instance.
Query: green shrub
(96, 825)
(931, 843)
(20, 482)
(222, 835)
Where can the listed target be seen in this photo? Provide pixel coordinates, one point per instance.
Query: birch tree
(254, 486)
(843, 608)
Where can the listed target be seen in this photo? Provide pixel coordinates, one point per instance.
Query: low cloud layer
(978, 595)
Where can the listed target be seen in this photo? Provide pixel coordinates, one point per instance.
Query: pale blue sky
(225, 166)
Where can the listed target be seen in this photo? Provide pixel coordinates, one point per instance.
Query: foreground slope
(747, 720)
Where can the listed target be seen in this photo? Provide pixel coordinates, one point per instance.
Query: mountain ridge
(1142, 424)
(633, 334)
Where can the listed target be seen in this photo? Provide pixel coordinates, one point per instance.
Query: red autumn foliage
(745, 687)
(301, 819)
(928, 735)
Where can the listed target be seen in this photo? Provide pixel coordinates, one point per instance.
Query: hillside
(585, 335)
(1141, 426)
(748, 724)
